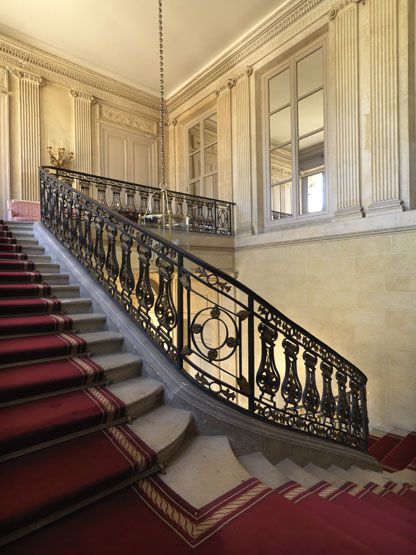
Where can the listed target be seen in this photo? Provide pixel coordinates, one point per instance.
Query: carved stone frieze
(232, 81)
(129, 120)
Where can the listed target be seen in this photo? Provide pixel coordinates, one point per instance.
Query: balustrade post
(179, 304)
(251, 359)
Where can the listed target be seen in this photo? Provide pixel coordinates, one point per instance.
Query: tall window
(203, 157)
(296, 137)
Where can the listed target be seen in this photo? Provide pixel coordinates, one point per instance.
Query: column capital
(83, 96)
(23, 74)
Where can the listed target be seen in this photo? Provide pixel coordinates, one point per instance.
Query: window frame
(291, 63)
(192, 181)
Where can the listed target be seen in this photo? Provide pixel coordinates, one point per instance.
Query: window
(296, 138)
(203, 157)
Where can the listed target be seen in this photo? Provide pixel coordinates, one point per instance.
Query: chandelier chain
(162, 101)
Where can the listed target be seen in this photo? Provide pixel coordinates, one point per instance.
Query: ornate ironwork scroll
(224, 337)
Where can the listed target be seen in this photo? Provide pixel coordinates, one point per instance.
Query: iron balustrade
(182, 211)
(224, 337)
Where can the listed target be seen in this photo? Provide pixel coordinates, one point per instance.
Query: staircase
(90, 452)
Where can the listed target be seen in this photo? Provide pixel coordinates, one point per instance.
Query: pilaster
(347, 127)
(4, 143)
(29, 127)
(384, 105)
(82, 130)
(225, 170)
(240, 95)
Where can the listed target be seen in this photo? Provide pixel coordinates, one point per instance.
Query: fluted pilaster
(225, 170)
(384, 105)
(347, 111)
(83, 131)
(29, 123)
(4, 144)
(241, 154)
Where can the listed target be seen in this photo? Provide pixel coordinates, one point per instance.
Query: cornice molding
(285, 23)
(21, 57)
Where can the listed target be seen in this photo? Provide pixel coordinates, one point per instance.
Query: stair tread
(136, 389)
(60, 476)
(294, 472)
(258, 466)
(208, 461)
(35, 422)
(161, 428)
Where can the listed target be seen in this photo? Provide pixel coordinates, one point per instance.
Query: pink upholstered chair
(23, 210)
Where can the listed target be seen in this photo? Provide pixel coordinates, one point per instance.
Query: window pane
(194, 165)
(311, 174)
(280, 129)
(279, 90)
(210, 186)
(210, 130)
(311, 153)
(195, 188)
(281, 200)
(281, 164)
(312, 192)
(194, 138)
(311, 113)
(211, 159)
(310, 73)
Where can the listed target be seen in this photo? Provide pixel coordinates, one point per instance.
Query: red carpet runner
(148, 517)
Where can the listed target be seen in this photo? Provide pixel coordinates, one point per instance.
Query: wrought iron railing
(218, 332)
(141, 203)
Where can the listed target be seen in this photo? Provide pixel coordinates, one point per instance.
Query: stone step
(76, 306)
(30, 250)
(140, 394)
(47, 268)
(402, 476)
(362, 477)
(163, 429)
(119, 366)
(340, 473)
(55, 278)
(102, 342)
(23, 235)
(294, 472)
(41, 259)
(205, 469)
(28, 242)
(65, 291)
(323, 474)
(88, 322)
(258, 466)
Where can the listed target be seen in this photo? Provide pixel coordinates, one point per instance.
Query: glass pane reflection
(279, 90)
(311, 113)
(310, 73)
(210, 130)
(280, 129)
(281, 200)
(194, 138)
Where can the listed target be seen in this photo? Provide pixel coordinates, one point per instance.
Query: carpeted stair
(83, 436)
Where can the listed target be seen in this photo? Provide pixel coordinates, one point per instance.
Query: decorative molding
(83, 96)
(129, 120)
(22, 57)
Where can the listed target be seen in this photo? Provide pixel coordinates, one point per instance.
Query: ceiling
(120, 37)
